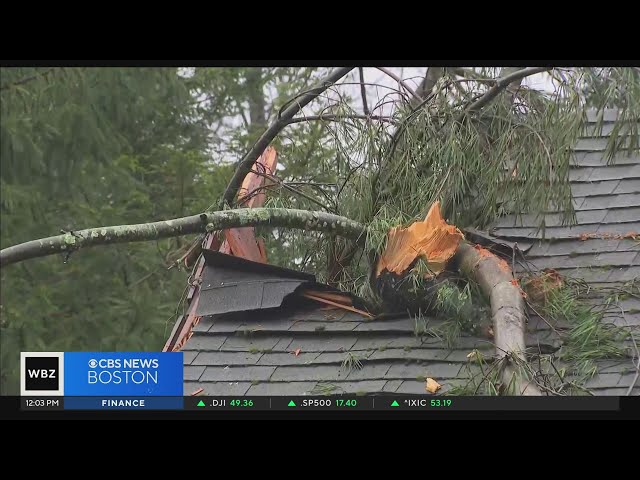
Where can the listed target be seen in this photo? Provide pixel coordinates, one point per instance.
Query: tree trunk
(257, 106)
(507, 307)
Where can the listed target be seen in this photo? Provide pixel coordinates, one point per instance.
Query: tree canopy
(90, 147)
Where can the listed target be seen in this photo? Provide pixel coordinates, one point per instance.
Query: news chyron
(98, 380)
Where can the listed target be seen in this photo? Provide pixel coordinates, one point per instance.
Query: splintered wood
(433, 240)
(335, 299)
(242, 242)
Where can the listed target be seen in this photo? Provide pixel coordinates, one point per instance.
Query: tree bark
(257, 105)
(267, 137)
(429, 81)
(242, 217)
(507, 309)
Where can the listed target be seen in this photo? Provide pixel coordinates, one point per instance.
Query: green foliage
(589, 337)
(83, 147)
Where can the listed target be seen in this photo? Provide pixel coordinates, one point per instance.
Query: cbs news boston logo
(101, 373)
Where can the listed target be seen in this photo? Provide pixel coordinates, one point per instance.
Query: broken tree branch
(211, 221)
(507, 308)
(280, 122)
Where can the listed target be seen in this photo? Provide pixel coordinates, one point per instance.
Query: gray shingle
(624, 274)
(628, 185)
(308, 373)
(217, 388)
(187, 357)
(593, 274)
(204, 342)
(232, 325)
(627, 244)
(598, 159)
(619, 228)
(366, 386)
(433, 370)
(567, 247)
(398, 325)
(203, 325)
(283, 344)
(598, 144)
(226, 358)
(423, 354)
(369, 371)
(287, 358)
(236, 374)
(614, 172)
(193, 373)
(339, 357)
(587, 189)
(551, 232)
(585, 260)
(610, 201)
(619, 215)
(412, 387)
(245, 343)
(551, 219)
(388, 341)
(611, 380)
(315, 326)
(324, 343)
(392, 385)
(281, 388)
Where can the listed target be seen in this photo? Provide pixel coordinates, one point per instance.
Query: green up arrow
(201, 403)
(395, 404)
(291, 404)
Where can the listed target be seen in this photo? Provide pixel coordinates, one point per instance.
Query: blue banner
(123, 374)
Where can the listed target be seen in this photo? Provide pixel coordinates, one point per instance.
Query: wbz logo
(41, 373)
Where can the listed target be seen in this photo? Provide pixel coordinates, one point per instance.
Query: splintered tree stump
(417, 262)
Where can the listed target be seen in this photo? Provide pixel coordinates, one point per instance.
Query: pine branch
(338, 118)
(242, 217)
(501, 84)
(267, 137)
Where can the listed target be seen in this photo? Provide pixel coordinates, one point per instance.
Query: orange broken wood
(540, 286)
(336, 304)
(197, 392)
(242, 242)
(433, 239)
(252, 186)
(340, 298)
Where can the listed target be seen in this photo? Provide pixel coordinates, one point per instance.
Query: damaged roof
(247, 339)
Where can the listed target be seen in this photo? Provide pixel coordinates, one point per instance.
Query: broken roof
(297, 349)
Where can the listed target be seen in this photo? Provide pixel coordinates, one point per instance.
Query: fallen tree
(494, 277)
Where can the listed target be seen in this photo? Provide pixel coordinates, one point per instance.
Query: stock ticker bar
(403, 402)
(338, 402)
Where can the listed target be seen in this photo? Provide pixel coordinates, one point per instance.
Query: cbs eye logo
(93, 363)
